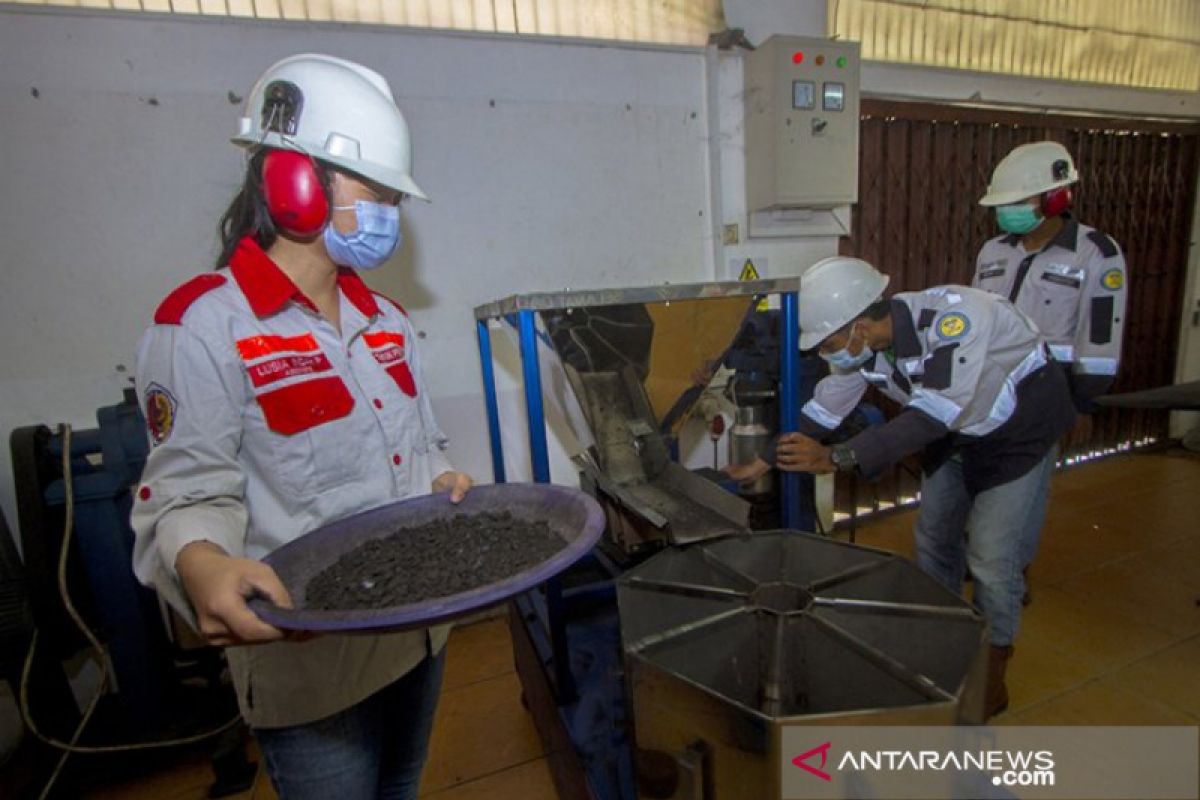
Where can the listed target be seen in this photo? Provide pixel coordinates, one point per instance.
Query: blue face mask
(842, 359)
(1018, 218)
(372, 242)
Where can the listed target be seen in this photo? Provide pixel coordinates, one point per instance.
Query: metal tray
(570, 513)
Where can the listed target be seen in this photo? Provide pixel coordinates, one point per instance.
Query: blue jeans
(1037, 509)
(374, 749)
(1001, 542)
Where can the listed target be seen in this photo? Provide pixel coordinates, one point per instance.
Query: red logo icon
(820, 773)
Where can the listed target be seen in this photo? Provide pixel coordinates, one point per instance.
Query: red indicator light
(797, 57)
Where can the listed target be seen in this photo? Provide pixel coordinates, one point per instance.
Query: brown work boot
(996, 695)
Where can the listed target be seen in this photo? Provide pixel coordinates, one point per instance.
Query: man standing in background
(1070, 279)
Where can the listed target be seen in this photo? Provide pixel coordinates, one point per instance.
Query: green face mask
(1019, 218)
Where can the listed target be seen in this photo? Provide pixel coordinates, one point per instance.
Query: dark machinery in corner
(163, 685)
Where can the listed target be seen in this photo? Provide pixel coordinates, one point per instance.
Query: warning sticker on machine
(749, 272)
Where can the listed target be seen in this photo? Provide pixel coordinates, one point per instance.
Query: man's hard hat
(336, 111)
(1030, 170)
(834, 291)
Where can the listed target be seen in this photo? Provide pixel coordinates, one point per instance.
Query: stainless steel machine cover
(728, 641)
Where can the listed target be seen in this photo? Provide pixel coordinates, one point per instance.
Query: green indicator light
(841, 62)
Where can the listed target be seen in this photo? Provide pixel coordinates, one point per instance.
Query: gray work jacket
(973, 375)
(1074, 290)
(266, 422)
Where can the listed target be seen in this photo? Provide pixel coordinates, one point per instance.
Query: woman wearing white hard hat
(283, 394)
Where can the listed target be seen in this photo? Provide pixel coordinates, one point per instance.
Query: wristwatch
(843, 458)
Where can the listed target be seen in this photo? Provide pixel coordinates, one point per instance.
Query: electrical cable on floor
(97, 648)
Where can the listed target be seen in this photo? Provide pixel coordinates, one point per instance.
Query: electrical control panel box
(801, 123)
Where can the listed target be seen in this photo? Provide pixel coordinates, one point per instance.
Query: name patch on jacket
(388, 349)
(294, 382)
(1061, 280)
(270, 359)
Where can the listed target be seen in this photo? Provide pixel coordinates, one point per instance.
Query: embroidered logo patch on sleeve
(160, 413)
(1113, 280)
(953, 325)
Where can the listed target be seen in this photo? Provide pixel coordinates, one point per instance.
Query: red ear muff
(295, 197)
(1056, 201)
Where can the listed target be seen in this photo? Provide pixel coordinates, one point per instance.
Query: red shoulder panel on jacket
(171, 310)
(399, 307)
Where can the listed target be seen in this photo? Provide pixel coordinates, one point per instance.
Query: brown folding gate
(922, 168)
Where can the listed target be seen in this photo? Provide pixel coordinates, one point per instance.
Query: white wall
(927, 83)
(550, 164)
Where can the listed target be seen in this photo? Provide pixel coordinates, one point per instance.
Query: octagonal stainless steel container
(729, 641)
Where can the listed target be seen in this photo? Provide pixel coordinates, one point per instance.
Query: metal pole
(538, 453)
(489, 398)
(789, 398)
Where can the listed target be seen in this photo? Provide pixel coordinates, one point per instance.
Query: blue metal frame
(489, 398)
(789, 410)
(553, 615)
(539, 454)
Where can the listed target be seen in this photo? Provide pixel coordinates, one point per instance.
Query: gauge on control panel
(834, 97)
(804, 94)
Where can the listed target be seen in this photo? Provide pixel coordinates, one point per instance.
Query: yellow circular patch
(1113, 279)
(953, 325)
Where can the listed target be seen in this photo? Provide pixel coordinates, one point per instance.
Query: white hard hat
(834, 291)
(1030, 170)
(336, 111)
